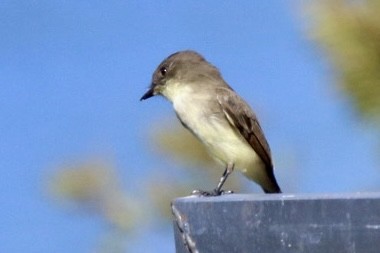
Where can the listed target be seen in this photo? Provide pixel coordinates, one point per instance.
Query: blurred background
(86, 167)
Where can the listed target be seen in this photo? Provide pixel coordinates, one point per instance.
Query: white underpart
(223, 143)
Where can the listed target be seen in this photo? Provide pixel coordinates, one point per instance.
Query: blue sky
(72, 73)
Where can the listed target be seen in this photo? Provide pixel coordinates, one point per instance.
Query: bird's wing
(242, 118)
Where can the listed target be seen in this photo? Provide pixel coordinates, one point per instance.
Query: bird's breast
(208, 123)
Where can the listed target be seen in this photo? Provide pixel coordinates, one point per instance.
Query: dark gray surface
(280, 223)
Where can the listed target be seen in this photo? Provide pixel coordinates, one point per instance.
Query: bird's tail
(273, 187)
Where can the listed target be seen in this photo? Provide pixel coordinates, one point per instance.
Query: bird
(215, 114)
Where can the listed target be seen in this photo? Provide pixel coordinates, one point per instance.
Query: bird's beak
(148, 94)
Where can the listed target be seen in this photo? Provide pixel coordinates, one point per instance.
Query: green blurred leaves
(93, 186)
(349, 33)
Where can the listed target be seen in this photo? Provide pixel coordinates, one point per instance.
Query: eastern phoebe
(209, 108)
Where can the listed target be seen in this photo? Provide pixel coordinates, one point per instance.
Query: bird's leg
(218, 190)
(229, 169)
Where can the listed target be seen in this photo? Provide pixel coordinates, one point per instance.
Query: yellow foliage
(349, 32)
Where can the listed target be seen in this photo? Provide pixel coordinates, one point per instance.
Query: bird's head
(182, 69)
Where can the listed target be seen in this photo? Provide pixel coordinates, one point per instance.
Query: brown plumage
(207, 106)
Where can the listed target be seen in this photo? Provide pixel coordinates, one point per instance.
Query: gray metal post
(278, 223)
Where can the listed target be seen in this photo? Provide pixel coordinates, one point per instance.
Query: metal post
(273, 223)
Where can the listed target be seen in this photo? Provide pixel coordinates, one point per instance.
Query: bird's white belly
(224, 143)
(227, 146)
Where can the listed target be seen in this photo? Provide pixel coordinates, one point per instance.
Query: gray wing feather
(242, 117)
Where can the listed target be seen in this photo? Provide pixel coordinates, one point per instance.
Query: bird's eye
(163, 71)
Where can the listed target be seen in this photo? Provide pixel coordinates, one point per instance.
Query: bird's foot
(212, 193)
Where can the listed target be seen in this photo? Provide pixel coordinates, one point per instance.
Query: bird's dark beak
(148, 94)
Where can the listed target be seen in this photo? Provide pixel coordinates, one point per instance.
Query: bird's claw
(212, 193)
